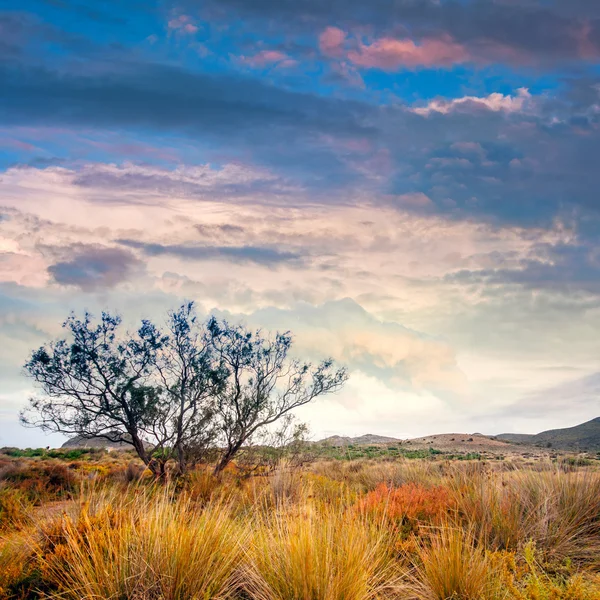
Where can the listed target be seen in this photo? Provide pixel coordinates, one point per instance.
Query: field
(340, 524)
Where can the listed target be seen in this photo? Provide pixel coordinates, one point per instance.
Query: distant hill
(368, 439)
(95, 442)
(584, 437)
(460, 442)
(464, 443)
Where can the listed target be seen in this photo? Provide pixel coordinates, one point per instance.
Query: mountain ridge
(582, 437)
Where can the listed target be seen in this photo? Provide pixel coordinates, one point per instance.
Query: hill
(460, 442)
(368, 439)
(95, 442)
(584, 437)
(463, 443)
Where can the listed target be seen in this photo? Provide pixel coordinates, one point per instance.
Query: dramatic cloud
(409, 186)
(540, 33)
(562, 267)
(386, 351)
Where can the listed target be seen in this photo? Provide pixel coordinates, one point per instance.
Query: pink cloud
(390, 54)
(265, 58)
(331, 41)
(182, 24)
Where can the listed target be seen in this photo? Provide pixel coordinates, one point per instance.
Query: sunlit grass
(333, 531)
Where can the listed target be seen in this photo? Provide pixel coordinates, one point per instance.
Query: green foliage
(352, 452)
(67, 454)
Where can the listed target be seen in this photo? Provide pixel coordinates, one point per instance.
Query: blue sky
(410, 186)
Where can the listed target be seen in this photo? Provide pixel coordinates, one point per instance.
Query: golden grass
(450, 565)
(558, 511)
(148, 547)
(323, 554)
(334, 531)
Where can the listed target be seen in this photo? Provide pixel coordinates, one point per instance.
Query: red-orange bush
(409, 503)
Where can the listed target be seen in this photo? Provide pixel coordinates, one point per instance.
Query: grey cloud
(282, 128)
(559, 268)
(168, 182)
(261, 255)
(93, 267)
(143, 94)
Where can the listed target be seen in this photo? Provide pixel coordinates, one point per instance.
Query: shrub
(150, 547)
(559, 511)
(408, 504)
(43, 481)
(324, 555)
(451, 566)
(14, 508)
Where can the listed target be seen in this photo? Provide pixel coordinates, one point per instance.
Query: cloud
(331, 41)
(495, 102)
(268, 58)
(415, 200)
(533, 33)
(564, 405)
(392, 54)
(567, 268)
(396, 262)
(167, 97)
(261, 255)
(400, 357)
(199, 181)
(235, 115)
(93, 267)
(182, 24)
(539, 163)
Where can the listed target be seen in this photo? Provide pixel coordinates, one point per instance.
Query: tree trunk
(157, 470)
(227, 457)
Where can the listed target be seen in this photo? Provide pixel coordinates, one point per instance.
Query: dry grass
(558, 511)
(324, 554)
(450, 565)
(148, 547)
(359, 530)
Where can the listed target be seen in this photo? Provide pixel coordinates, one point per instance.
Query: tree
(152, 390)
(174, 394)
(96, 385)
(263, 384)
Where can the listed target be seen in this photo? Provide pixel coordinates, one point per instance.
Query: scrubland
(96, 525)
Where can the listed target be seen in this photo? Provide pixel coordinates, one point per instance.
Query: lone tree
(152, 389)
(174, 394)
(263, 384)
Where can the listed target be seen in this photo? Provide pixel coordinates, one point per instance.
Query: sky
(409, 186)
